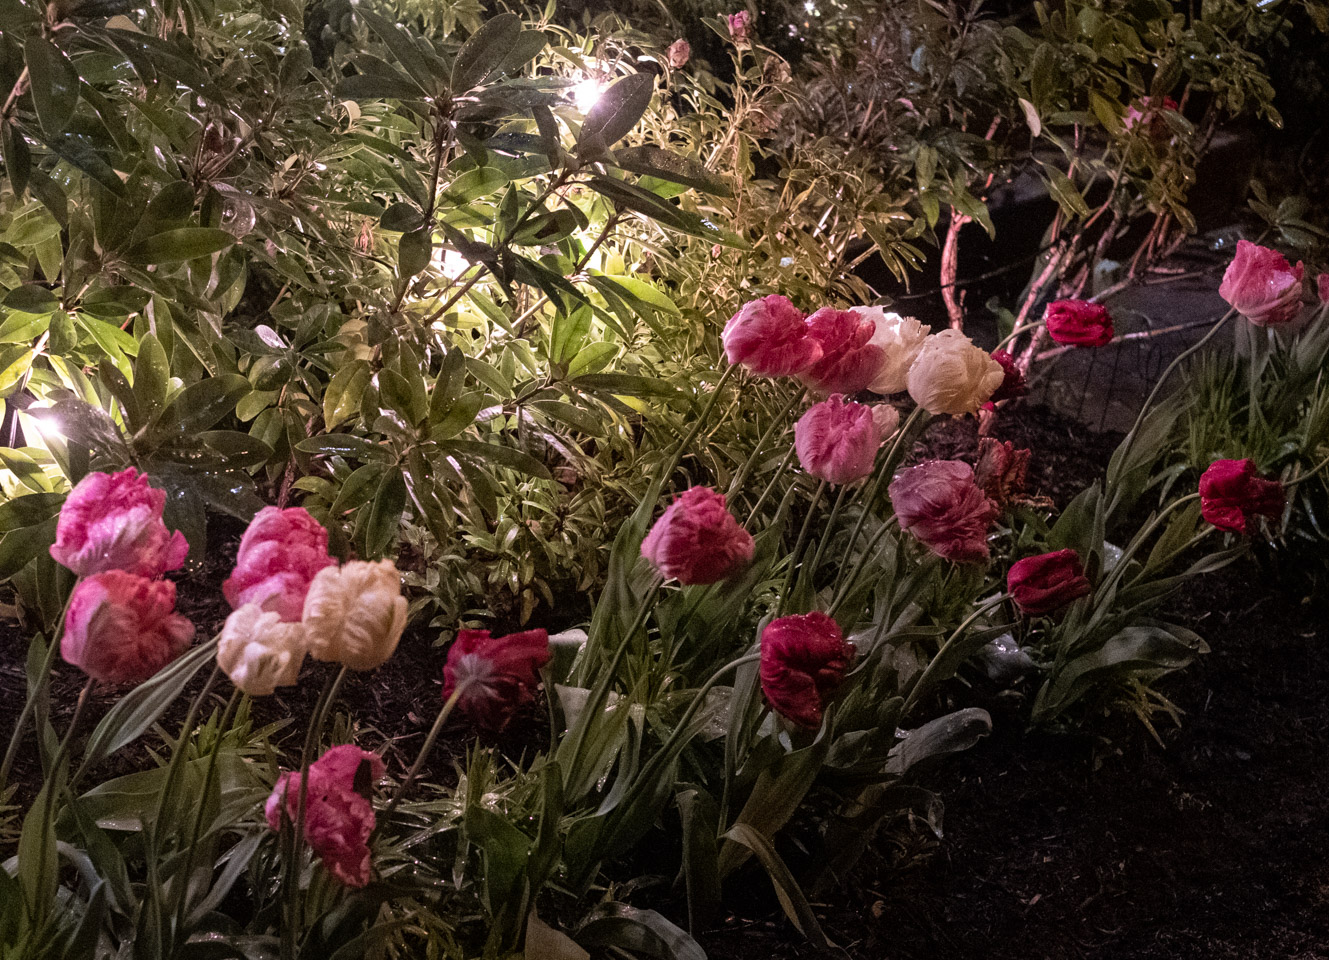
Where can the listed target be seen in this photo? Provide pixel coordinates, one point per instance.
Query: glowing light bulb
(587, 93)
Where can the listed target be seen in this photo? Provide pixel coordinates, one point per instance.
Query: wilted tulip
(113, 521)
(803, 661)
(123, 628)
(837, 440)
(338, 819)
(1047, 582)
(259, 651)
(952, 375)
(1233, 494)
(1079, 323)
(939, 503)
(355, 614)
(697, 539)
(1261, 285)
(739, 26)
(496, 675)
(1000, 469)
(1012, 383)
(279, 555)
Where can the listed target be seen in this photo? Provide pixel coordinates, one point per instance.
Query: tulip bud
(1047, 582)
(941, 506)
(951, 375)
(1261, 285)
(1079, 323)
(837, 440)
(259, 651)
(697, 539)
(899, 339)
(770, 338)
(496, 675)
(803, 661)
(279, 555)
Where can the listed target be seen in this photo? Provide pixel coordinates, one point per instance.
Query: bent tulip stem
(426, 749)
(870, 497)
(770, 486)
(1291, 483)
(829, 531)
(697, 426)
(843, 593)
(1133, 547)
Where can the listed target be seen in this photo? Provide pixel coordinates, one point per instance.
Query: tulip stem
(30, 705)
(920, 684)
(737, 483)
(827, 533)
(1291, 483)
(798, 548)
(861, 562)
(870, 496)
(697, 424)
(770, 485)
(425, 750)
(1138, 540)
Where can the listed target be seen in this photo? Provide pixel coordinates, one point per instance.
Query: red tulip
(849, 361)
(1079, 323)
(1047, 582)
(803, 661)
(496, 675)
(1233, 494)
(1013, 384)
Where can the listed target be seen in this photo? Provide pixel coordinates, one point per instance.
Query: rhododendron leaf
(28, 510)
(626, 383)
(200, 405)
(385, 515)
(407, 51)
(174, 246)
(617, 111)
(483, 53)
(54, 83)
(484, 453)
(656, 162)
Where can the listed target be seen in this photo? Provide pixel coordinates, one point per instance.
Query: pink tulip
(278, 558)
(338, 819)
(697, 540)
(769, 337)
(939, 503)
(113, 521)
(837, 440)
(123, 628)
(496, 675)
(1261, 286)
(803, 661)
(849, 361)
(739, 26)
(1322, 287)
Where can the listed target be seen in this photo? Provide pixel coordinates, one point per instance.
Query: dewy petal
(113, 521)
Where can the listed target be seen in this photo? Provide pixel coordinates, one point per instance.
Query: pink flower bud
(338, 818)
(769, 337)
(113, 521)
(1322, 287)
(740, 25)
(279, 555)
(697, 540)
(496, 675)
(1261, 286)
(1233, 494)
(1047, 582)
(939, 503)
(123, 628)
(678, 54)
(1079, 323)
(803, 661)
(849, 360)
(837, 440)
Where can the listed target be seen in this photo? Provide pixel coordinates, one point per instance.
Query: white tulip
(259, 651)
(951, 375)
(900, 339)
(355, 614)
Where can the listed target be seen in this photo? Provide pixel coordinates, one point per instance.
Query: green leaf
(377, 86)
(395, 391)
(567, 333)
(152, 376)
(144, 705)
(413, 251)
(175, 246)
(28, 510)
(593, 357)
(401, 216)
(403, 47)
(31, 298)
(616, 112)
(487, 454)
(483, 53)
(342, 398)
(474, 184)
(385, 515)
(630, 929)
(200, 405)
(654, 161)
(787, 891)
(344, 445)
(627, 384)
(54, 84)
(16, 156)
